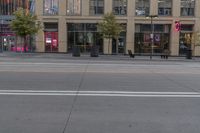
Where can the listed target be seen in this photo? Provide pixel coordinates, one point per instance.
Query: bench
(131, 54)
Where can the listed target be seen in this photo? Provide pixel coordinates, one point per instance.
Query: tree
(24, 24)
(109, 28)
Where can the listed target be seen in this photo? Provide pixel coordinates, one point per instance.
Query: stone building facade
(150, 25)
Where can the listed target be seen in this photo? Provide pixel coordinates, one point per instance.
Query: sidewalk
(87, 57)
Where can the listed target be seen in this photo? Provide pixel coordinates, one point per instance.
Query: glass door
(185, 43)
(51, 41)
(121, 44)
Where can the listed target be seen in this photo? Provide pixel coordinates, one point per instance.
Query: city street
(40, 95)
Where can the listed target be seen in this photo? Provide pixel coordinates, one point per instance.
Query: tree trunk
(21, 43)
(25, 43)
(109, 46)
(117, 45)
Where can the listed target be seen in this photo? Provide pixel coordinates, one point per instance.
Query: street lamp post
(152, 32)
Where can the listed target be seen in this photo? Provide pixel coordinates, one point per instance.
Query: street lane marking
(100, 93)
(107, 92)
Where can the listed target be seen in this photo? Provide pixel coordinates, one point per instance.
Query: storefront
(143, 42)
(121, 44)
(185, 42)
(8, 42)
(84, 36)
(7, 38)
(51, 37)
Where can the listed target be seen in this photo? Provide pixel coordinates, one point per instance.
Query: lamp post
(152, 32)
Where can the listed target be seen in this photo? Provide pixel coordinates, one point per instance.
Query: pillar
(40, 47)
(62, 38)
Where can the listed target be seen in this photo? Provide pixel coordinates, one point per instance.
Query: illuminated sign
(177, 26)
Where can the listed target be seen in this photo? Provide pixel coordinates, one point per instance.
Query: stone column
(62, 43)
(176, 8)
(62, 7)
(174, 42)
(85, 5)
(196, 47)
(107, 6)
(40, 47)
(130, 31)
(130, 35)
(153, 7)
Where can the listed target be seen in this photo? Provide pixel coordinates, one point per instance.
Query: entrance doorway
(8, 42)
(185, 43)
(51, 41)
(121, 45)
(185, 39)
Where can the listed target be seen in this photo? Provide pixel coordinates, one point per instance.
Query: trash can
(94, 51)
(189, 54)
(76, 51)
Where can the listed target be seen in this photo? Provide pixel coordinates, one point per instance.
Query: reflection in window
(142, 7)
(74, 7)
(96, 7)
(51, 7)
(187, 7)
(84, 35)
(185, 43)
(143, 38)
(164, 7)
(7, 7)
(119, 7)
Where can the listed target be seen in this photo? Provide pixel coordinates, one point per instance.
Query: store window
(164, 7)
(187, 7)
(185, 38)
(7, 7)
(7, 38)
(142, 7)
(74, 7)
(51, 37)
(51, 7)
(84, 36)
(120, 7)
(96, 7)
(143, 38)
(120, 49)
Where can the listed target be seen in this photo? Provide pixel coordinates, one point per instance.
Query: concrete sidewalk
(87, 57)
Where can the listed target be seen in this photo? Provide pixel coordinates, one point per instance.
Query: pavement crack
(75, 97)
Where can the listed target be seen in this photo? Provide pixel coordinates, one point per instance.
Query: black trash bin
(76, 51)
(94, 51)
(189, 54)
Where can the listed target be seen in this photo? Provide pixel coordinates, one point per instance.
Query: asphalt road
(97, 96)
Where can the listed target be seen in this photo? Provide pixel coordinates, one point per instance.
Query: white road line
(100, 93)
